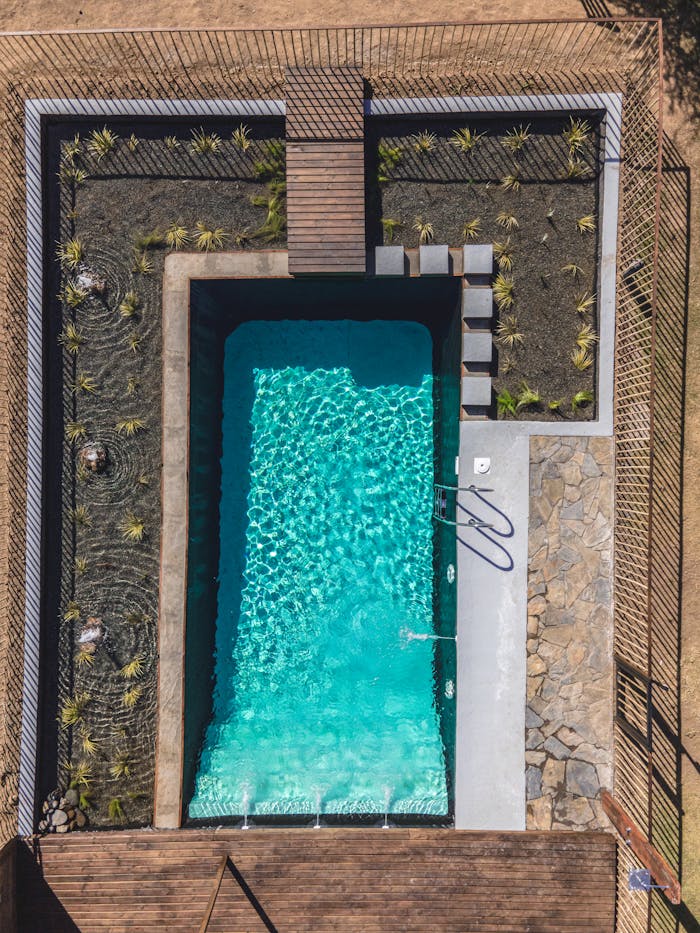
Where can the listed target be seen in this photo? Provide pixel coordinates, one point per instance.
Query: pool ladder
(441, 495)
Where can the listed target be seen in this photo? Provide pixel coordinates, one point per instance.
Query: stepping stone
(434, 260)
(389, 260)
(478, 259)
(477, 347)
(477, 302)
(476, 390)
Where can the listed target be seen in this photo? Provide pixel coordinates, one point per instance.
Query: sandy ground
(685, 133)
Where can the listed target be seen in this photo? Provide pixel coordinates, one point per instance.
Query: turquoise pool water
(321, 701)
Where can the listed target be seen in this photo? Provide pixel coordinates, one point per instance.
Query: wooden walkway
(354, 881)
(325, 171)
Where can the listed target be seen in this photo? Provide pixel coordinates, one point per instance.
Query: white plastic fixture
(482, 465)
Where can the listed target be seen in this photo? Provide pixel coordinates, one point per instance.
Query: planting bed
(94, 570)
(447, 188)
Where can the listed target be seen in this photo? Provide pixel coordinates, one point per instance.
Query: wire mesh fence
(416, 61)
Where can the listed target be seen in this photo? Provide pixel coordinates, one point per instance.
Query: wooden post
(648, 855)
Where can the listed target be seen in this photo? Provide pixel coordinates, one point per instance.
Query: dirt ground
(681, 127)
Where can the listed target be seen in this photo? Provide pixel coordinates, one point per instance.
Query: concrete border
(180, 270)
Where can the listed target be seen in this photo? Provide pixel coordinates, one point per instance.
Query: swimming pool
(322, 701)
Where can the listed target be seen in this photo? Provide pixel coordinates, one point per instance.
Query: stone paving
(568, 734)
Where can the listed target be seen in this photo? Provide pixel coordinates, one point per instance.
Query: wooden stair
(325, 171)
(333, 879)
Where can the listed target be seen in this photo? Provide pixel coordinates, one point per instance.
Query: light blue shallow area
(321, 701)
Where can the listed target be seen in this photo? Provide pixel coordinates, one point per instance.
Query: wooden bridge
(349, 880)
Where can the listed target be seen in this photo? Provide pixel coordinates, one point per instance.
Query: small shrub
(131, 696)
(204, 143)
(272, 167)
(424, 142)
(70, 253)
(527, 397)
(585, 397)
(88, 745)
(586, 224)
(242, 238)
(209, 239)
(81, 516)
(389, 227)
(115, 810)
(508, 334)
(503, 254)
(150, 240)
(575, 168)
(70, 174)
(171, 142)
(584, 301)
(504, 291)
(80, 565)
(241, 137)
(84, 657)
(133, 527)
(581, 358)
(507, 221)
(389, 158)
(73, 295)
(555, 405)
(101, 142)
(130, 426)
(121, 766)
(133, 668)
(586, 337)
(73, 709)
(132, 385)
(465, 139)
(507, 364)
(576, 134)
(573, 270)
(71, 338)
(506, 404)
(84, 383)
(424, 229)
(132, 143)
(471, 229)
(80, 775)
(72, 613)
(515, 139)
(130, 304)
(75, 431)
(143, 264)
(511, 182)
(134, 341)
(70, 150)
(176, 236)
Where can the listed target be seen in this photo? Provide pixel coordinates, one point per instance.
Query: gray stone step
(389, 260)
(477, 347)
(478, 259)
(434, 259)
(477, 302)
(476, 391)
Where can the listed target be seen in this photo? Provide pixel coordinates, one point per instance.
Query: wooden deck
(325, 171)
(292, 880)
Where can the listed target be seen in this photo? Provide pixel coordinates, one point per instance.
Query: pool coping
(180, 270)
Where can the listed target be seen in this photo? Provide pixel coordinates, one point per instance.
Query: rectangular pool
(325, 568)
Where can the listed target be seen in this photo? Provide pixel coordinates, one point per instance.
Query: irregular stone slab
(581, 778)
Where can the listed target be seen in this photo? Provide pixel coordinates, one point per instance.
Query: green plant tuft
(471, 229)
(208, 239)
(506, 404)
(70, 253)
(515, 139)
(465, 139)
(508, 221)
(205, 143)
(241, 137)
(389, 227)
(73, 709)
(585, 397)
(504, 291)
(133, 527)
(101, 142)
(130, 426)
(424, 229)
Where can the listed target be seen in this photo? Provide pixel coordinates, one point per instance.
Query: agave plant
(84, 383)
(143, 264)
(576, 134)
(208, 239)
(133, 527)
(581, 358)
(69, 150)
(75, 431)
(73, 295)
(73, 709)
(131, 696)
(70, 253)
(424, 229)
(133, 668)
(203, 143)
(241, 137)
(101, 142)
(84, 657)
(503, 254)
(81, 516)
(507, 221)
(506, 404)
(465, 139)
(584, 301)
(88, 745)
(71, 338)
(504, 291)
(585, 397)
(586, 224)
(176, 236)
(527, 397)
(424, 142)
(586, 337)
(130, 304)
(511, 182)
(508, 333)
(130, 426)
(471, 229)
(121, 766)
(515, 139)
(390, 226)
(79, 775)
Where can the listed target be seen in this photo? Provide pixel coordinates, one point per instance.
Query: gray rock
(556, 748)
(534, 739)
(80, 819)
(59, 817)
(71, 797)
(581, 778)
(532, 720)
(533, 783)
(62, 828)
